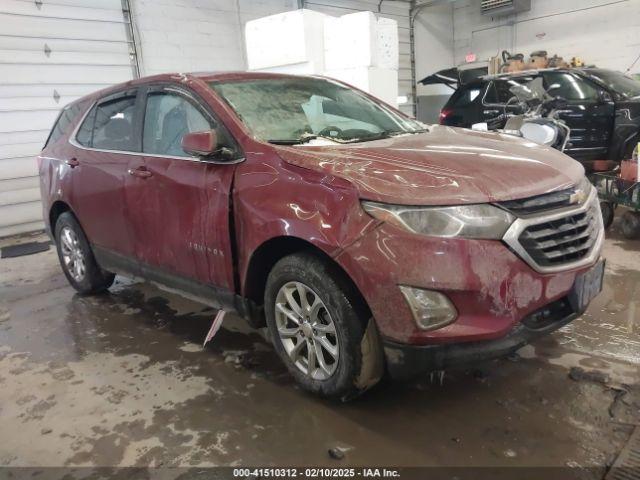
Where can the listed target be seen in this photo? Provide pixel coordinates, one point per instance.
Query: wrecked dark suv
(602, 108)
(363, 239)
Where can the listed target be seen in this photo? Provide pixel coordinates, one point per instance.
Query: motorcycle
(539, 120)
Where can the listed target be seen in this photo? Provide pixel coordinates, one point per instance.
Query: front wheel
(321, 329)
(76, 258)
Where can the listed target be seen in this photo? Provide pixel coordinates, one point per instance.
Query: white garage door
(51, 53)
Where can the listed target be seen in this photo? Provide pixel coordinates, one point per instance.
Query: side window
(569, 87)
(113, 124)
(168, 117)
(64, 122)
(499, 92)
(465, 96)
(85, 132)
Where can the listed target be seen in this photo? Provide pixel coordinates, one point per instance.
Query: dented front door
(180, 204)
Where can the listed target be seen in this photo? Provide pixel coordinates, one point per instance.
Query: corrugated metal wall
(51, 53)
(396, 10)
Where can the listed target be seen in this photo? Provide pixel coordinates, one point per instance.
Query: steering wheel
(331, 131)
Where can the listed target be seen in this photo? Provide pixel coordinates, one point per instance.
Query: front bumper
(491, 287)
(408, 361)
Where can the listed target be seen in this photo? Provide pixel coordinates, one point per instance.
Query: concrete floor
(121, 379)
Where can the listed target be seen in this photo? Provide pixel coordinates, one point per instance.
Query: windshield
(295, 110)
(617, 81)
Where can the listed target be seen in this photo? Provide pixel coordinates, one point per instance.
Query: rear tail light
(444, 113)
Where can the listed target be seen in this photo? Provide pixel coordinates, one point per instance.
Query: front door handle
(72, 162)
(140, 172)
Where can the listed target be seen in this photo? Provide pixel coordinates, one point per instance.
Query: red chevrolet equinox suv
(365, 241)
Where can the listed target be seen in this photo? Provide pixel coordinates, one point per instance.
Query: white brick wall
(603, 32)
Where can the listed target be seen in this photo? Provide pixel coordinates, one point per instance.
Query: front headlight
(469, 221)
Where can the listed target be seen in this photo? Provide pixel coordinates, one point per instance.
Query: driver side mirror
(200, 144)
(205, 144)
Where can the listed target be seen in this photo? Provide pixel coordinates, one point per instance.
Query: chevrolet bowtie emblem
(579, 196)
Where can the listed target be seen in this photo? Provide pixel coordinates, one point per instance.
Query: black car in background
(602, 108)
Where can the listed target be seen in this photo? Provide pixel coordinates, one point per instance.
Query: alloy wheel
(306, 330)
(72, 254)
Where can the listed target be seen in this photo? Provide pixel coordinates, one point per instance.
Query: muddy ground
(121, 379)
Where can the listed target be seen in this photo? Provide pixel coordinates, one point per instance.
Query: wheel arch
(271, 251)
(58, 208)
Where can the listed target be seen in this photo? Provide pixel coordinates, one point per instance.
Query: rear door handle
(72, 162)
(140, 172)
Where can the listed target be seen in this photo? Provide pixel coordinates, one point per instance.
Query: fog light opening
(430, 309)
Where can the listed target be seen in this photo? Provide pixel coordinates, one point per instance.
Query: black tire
(608, 210)
(630, 225)
(94, 279)
(360, 363)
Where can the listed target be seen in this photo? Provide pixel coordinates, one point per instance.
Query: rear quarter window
(67, 118)
(465, 96)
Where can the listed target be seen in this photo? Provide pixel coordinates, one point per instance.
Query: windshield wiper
(307, 137)
(304, 138)
(381, 135)
(285, 142)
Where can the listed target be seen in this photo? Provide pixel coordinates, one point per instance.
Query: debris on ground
(618, 396)
(234, 356)
(336, 453)
(46, 431)
(580, 374)
(215, 326)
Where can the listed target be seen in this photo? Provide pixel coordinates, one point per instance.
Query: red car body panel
(491, 288)
(446, 166)
(205, 221)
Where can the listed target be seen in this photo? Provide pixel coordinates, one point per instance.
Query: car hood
(444, 166)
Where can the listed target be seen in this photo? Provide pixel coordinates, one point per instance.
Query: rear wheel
(76, 257)
(320, 328)
(630, 224)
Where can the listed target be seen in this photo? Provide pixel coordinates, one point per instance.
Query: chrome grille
(560, 241)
